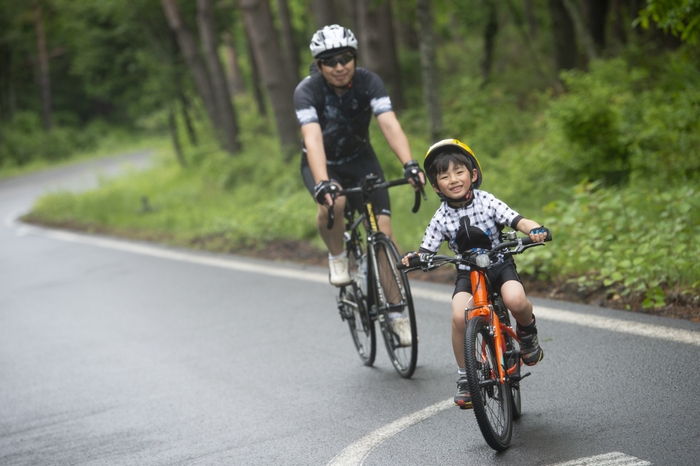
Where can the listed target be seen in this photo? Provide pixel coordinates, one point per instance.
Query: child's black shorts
(498, 275)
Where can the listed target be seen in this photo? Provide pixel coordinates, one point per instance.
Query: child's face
(456, 181)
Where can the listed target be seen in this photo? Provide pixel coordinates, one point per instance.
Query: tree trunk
(534, 56)
(291, 51)
(619, 25)
(227, 115)
(194, 62)
(405, 23)
(530, 18)
(236, 84)
(490, 32)
(172, 125)
(565, 47)
(428, 62)
(325, 13)
(280, 87)
(255, 76)
(597, 18)
(377, 46)
(185, 104)
(44, 78)
(573, 7)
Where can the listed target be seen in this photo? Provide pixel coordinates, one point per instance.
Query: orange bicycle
(491, 348)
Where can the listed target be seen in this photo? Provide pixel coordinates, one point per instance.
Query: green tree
(680, 17)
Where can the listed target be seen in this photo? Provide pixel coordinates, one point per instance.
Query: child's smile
(456, 181)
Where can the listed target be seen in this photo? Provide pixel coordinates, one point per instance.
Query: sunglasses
(344, 59)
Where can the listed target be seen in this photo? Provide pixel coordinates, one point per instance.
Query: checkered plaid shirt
(485, 212)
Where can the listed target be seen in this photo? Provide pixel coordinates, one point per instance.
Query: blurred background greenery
(585, 115)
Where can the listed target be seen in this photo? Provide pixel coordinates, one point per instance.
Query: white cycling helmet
(332, 40)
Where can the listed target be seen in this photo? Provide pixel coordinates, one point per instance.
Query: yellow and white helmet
(452, 145)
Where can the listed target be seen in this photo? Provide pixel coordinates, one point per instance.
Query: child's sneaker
(530, 350)
(463, 398)
(339, 275)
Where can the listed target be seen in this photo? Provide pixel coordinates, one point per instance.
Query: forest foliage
(602, 146)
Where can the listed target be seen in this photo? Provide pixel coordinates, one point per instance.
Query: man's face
(339, 69)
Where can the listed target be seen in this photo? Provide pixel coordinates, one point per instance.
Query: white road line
(355, 453)
(609, 459)
(152, 251)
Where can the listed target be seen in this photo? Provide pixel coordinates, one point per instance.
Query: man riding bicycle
(334, 106)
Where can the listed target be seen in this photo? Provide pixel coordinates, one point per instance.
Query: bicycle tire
(392, 293)
(491, 400)
(353, 305)
(512, 350)
(362, 329)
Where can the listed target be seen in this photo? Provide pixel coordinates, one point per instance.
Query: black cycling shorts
(498, 275)
(349, 175)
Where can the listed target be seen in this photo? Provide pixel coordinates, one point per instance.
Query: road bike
(378, 290)
(491, 346)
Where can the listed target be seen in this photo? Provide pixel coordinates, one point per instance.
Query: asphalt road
(125, 353)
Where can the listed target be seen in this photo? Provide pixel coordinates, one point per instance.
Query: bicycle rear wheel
(392, 294)
(353, 309)
(491, 400)
(352, 302)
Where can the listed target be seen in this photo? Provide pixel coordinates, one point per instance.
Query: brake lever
(522, 247)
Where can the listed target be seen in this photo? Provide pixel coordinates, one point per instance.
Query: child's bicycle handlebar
(370, 184)
(481, 259)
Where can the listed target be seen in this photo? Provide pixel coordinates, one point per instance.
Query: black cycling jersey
(345, 118)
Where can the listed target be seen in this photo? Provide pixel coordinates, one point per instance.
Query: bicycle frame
(483, 307)
(377, 283)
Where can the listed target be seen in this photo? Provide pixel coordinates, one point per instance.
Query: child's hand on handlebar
(416, 259)
(539, 234)
(406, 259)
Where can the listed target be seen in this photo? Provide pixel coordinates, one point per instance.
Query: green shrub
(630, 241)
(23, 140)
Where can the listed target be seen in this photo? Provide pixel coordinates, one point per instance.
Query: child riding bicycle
(470, 219)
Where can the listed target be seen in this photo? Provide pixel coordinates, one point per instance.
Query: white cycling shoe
(338, 268)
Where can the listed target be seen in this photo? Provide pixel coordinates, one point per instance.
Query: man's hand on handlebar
(413, 173)
(324, 192)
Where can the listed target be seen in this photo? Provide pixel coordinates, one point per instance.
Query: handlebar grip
(331, 218)
(526, 240)
(416, 203)
(400, 266)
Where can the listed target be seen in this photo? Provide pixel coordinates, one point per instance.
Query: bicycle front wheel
(392, 297)
(491, 400)
(354, 311)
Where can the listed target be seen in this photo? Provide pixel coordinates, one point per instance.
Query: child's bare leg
(514, 298)
(459, 303)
